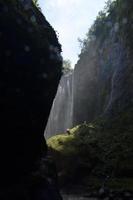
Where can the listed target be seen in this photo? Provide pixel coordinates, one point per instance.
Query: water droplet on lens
(33, 19)
(116, 27)
(19, 21)
(8, 53)
(44, 75)
(124, 21)
(27, 48)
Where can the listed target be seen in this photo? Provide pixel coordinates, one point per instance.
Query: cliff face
(103, 97)
(101, 84)
(97, 74)
(102, 79)
(62, 110)
(30, 70)
(103, 74)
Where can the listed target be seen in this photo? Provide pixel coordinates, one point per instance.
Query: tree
(67, 68)
(36, 4)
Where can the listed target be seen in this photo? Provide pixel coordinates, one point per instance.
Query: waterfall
(61, 115)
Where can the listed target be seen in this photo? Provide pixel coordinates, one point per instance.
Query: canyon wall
(102, 78)
(30, 70)
(102, 143)
(103, 74)
(97, 71)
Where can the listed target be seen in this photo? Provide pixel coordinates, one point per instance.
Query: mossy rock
(74, 153)
(92, 150)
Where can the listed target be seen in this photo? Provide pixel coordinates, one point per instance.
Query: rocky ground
(96, 195)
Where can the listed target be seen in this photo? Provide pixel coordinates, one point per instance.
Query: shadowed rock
(29, 76)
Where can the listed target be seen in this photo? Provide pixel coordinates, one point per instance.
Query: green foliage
(67, 68)
(99, 29)
(97, 149)
(36, 4)
(116, 16)
(78, 147)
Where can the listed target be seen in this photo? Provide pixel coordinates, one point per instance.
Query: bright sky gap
(71, 19)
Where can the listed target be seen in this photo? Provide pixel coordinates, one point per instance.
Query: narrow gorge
(100, 136)
(97, 86)
(86, 115)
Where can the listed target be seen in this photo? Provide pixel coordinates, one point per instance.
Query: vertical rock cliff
(103, 74)
(94, 77)
(30, 70)
(102, 78)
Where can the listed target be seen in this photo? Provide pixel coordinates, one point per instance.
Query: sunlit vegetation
(88, 152)
(103, 148)
(74, 153)
(36, 4)
(116, 17)
(67, 67)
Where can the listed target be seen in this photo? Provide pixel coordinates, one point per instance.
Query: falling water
(61, 115)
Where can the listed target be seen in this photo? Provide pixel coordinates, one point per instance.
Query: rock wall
(103, 74)
(30, 70)
(93, 92)
(94, 78)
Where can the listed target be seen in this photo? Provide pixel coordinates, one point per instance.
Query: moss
(96, 149)
(57, 143)
(76, 153)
